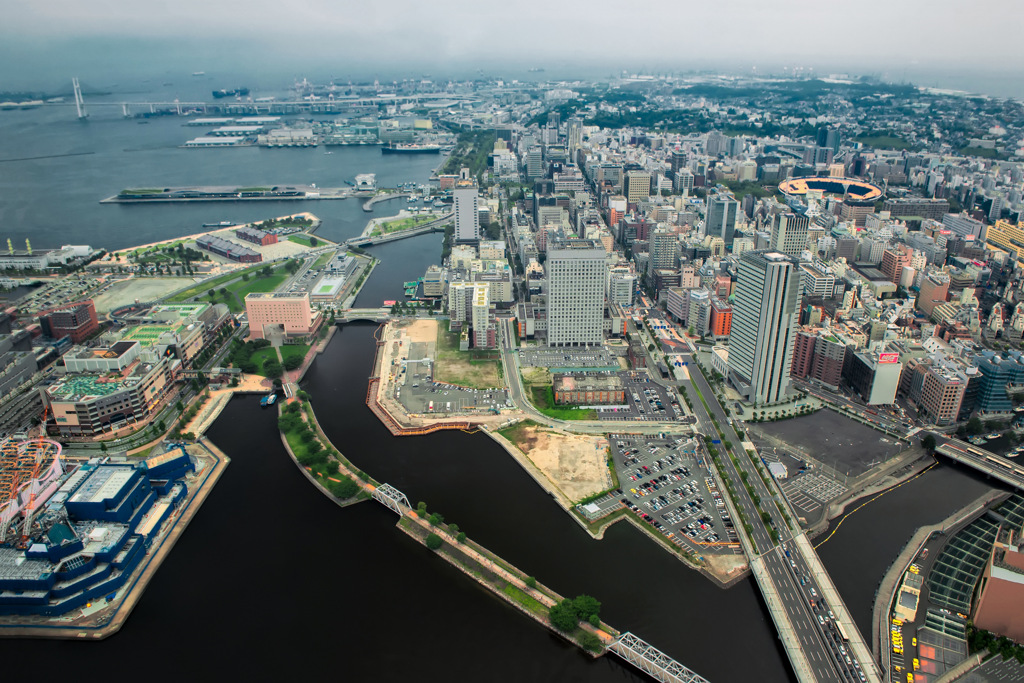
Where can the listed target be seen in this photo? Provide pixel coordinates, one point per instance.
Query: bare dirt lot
(464, 368)
(141, 288)
(576, 464)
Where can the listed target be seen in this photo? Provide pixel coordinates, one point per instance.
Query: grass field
(322, 261)
(543, 398)
(242, 287)
(304, 240)
(400, 224)
(215, 283)
(476, 370)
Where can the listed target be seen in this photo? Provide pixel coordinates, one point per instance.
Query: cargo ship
(222, 93)
(222, 224)
(410, 148)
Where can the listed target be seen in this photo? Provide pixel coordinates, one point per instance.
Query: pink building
(290, 312)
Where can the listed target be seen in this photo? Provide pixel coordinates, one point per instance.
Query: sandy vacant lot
(141, 288)
(424, 331)
(456, 367)
(576, 464)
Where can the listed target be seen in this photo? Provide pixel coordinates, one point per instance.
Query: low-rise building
(289, 313)
(588, 389)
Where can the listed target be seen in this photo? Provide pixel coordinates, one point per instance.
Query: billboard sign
(888, 358)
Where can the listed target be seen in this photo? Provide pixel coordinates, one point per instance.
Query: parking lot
(555, 359)
(664, 482)
(645, 401)
(829, 440)
(416, 389)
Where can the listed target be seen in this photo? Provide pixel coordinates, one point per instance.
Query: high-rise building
(789, 233)
(467, 216)
(678, 160)
(720, 218)
(829, 137)
(961, 224)
(684, 180)
(574, 137)
(637, 186)
(893, 262)
(534, 162)
(576, 284)
(934, 290)
(621, 284)
(763, 325)
(663, 248)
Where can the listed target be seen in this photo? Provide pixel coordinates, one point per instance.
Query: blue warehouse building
(88, 539)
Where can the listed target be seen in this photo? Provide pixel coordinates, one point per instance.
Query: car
(917, 664)
(913, 641)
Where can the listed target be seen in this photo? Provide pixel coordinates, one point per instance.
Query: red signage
(888, 358)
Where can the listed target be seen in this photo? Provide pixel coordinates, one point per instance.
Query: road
(788, 570)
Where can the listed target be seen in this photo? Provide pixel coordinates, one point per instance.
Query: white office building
(576, 271)
(467, 216)
(765, 315)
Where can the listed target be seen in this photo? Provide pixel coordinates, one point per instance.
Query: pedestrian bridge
(652, 661)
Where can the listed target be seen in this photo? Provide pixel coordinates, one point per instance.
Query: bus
(842, 631)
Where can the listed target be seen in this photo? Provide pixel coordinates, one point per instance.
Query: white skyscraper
(764, 325)
(467, 217)
(576, 285)
(789, 233)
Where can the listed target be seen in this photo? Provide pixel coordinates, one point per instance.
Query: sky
(893, 38)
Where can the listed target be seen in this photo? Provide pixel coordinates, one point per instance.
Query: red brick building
(588, 390)
(256, 236)
(77, 320)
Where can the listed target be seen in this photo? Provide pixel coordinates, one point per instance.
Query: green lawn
(261, 356)
(400, 224)
(292, 350)
(300, 239)
(256, 283)
(526, 601)
(322, 261)
(543, 398)
(215, 283)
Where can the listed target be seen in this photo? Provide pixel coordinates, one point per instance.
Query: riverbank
(104, 620)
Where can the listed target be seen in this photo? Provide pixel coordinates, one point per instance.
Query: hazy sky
(859, 37)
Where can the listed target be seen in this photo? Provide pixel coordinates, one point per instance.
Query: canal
(475, 483)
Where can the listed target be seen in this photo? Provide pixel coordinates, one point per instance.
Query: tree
(292, 362)
(590, 642)
(563, 616)
(928, 442)
(585, 606)
(245, 277)
(313, 242)
(975, 426)
(453, 528)
(211, 293)
(436, 519)
(103, 446)
(434, 541)
(530, 582)
(461, 538)
(272, 369)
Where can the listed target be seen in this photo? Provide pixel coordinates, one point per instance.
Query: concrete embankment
(890, 581)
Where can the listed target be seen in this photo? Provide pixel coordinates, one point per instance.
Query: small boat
(268, 400)
(222, 224)
(993, 435)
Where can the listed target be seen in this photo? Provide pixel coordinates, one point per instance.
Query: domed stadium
(857, 190)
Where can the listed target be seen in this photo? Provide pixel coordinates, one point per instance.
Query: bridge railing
(653, 661)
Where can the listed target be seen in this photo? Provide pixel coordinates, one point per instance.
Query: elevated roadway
(800, 595)
(995, 466)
